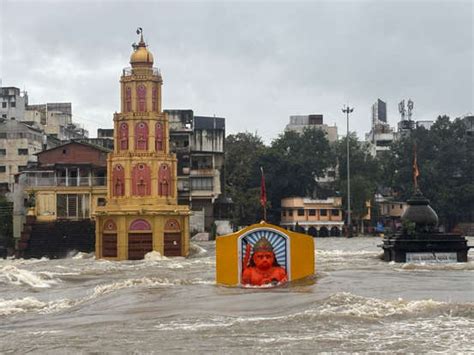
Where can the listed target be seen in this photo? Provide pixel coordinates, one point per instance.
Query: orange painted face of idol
(263, 259)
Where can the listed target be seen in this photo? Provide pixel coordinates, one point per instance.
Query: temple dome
(420, 211)
(141, 55)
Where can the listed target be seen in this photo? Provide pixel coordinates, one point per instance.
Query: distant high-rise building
(299, 122)
(13, 103)
(379, 112)
(381, 134)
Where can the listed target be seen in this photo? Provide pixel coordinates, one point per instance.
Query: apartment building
(316, 217)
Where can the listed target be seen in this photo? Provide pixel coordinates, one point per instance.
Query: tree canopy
(445, 157)
(293, 163)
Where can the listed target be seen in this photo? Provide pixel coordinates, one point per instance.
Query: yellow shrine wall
(227, 254)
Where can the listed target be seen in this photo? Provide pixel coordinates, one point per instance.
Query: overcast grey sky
(254, 63)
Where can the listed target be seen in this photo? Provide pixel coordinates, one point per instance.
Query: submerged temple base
(440, 247)
(419, 241)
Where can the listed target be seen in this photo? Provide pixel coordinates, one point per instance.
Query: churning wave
(343, 306)
(10, 274)
(348, 304)
(27, 304)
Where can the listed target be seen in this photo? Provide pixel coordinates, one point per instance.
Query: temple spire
(140, 32)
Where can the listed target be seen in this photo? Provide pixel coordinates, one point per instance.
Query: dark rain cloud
(254, 63)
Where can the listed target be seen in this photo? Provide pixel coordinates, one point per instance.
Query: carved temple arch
(110, 226)
(128, 99)
(141, 136)
(118, 181)
(154, 98)
(140, 224)
(159, 137)
(141, 98)
(164, 180)
(141, 180)
(172, 225)
(123, 136)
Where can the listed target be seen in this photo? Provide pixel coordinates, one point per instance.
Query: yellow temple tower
(142, 213)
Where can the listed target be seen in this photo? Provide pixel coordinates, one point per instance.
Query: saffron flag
(416, 172)
(263, 192)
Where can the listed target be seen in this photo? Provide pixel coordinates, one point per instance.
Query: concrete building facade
(315, 217)
(13, 103)
(381, 135)
(298, 123)
(56, 120)
(18, 145)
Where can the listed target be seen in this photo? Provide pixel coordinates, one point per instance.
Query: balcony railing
(50, 181)
(202, 172)
(129, 71)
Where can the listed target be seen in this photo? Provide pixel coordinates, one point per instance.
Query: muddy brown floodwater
(356, 303)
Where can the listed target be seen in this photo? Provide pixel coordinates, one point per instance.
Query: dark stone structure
(56, 239)
(420, 236)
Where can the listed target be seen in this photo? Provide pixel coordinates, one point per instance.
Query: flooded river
(356, 303)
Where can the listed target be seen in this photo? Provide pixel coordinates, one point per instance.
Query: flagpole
(416, 171)
(263, 196)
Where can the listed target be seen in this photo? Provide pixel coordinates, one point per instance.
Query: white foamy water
(356, 303)
(16, 276)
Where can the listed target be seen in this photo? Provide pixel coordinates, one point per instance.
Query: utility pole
(347, 110)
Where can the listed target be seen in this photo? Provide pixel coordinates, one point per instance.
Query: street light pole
(347, 110)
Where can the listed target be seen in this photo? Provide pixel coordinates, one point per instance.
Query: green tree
(445, 156)
(292, 164)
(242, 176)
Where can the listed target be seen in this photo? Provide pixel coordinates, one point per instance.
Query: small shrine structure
(142, 213)
(241, 256)
(420, 240)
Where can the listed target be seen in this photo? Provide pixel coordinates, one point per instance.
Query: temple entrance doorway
(172, 244)
(323, 232)
(139, 244)
(109, 245)
(313, 232)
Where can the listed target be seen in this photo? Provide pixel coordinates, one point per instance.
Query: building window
(2, 169)
(300, 212)
(72, 206)
(335, 212)
(4, 115)
(4, 104)
(3, 152)
(3, 135)
(101, 201)
(13, 104)
(323, 212)
(312, 212)
(401, 206)
(21, 168)
(22, 151)
(202, 184)
(290, 213)
(283, 213)
(201, 162)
